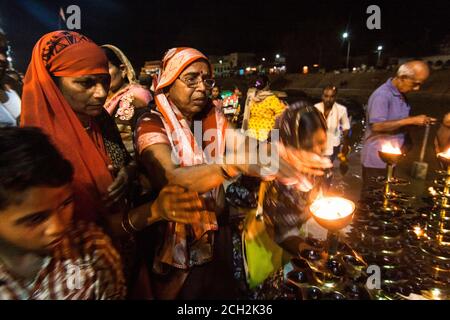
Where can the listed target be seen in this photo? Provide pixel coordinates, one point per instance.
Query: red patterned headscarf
(68, 54)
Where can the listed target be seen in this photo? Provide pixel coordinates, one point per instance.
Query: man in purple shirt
(388, 117)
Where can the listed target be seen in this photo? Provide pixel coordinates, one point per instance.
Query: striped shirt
(84, 266)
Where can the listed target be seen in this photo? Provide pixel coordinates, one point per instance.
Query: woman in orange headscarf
(182, 142)
(65, 88)
(181, 98)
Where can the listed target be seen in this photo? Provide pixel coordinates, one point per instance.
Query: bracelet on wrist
(127, 224)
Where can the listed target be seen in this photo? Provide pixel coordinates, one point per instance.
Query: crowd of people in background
(10, 88)
(104, 175)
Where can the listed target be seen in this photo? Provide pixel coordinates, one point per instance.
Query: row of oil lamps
(335, 213)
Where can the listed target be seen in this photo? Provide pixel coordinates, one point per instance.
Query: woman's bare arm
(162, 170)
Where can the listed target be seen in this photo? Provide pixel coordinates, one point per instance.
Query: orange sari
(68, 54)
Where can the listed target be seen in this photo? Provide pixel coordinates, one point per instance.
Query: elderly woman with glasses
(182, 142)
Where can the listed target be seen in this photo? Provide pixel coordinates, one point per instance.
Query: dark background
(305, 32)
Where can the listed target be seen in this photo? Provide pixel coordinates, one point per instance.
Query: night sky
(305, 32)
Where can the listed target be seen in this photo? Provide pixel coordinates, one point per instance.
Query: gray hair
(405, 70)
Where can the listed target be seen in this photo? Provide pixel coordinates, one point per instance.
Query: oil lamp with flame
(442, 235)
(333, 214)
(413, 253)
(391, 156)
(419, 231)
(339, 270)
(445, 156)
(437, 244)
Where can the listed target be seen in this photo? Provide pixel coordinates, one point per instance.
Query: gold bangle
(130, 223)
(125, 227)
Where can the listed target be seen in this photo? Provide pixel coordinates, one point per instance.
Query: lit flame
(445, 154)
(418, 231)
(387, 147)
(332, 208)
(436, 294)
(432, 191)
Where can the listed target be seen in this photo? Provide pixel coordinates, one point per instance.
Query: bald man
(388, 117)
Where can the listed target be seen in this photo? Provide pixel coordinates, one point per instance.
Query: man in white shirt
(338, 126)
(337, 122)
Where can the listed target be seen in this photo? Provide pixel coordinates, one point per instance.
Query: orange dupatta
(176, 251)
(68, 54)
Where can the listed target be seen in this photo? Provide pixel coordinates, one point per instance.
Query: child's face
(319, 142)
(40, 221)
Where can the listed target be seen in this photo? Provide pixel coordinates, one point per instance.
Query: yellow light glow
(445, 154)
(432, 191)
(436, 294)
(332, 208)
(305, 69)
(418, 231)
(387, 147)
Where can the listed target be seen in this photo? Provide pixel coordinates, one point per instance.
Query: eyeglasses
(192, 82)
